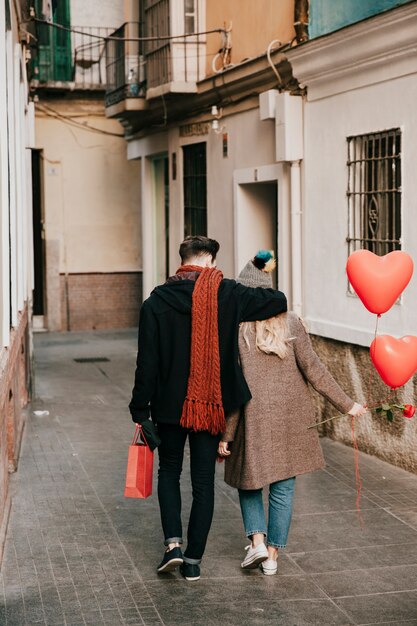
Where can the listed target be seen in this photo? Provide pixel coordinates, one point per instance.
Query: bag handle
(139, 431)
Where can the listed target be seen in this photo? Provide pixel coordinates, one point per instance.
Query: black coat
(163, 360)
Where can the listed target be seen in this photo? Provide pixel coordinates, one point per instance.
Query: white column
(4, 195)
(19, 104)
(30, 143)
(296, 242)
(284, 232)
(12, 175)
(147, 227)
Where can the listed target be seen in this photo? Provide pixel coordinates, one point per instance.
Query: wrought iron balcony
(176, 61)
(125, 65)
(70, 59)
(167, 55)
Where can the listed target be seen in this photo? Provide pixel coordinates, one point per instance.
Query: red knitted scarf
(203, 406)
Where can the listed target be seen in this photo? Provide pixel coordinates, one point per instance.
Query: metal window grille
(374, 192)
(195, 189)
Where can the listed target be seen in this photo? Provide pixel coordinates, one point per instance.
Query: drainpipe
(296, 240)
(301, 8)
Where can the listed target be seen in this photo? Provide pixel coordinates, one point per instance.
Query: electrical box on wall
(267, 104)
(288, 127)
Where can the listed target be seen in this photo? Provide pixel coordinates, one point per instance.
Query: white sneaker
(255, 556)
(269, 567)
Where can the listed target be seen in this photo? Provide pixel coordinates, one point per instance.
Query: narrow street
(79, 553)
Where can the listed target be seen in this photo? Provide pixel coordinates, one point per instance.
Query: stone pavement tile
(342, 530)
(408, 622)
(409, 516)
(226, 537)
(373, 580)
(34, 614)
(14, 611)
(325, 503)
(272, 613)
(356, 558)
(93, 618)
(130, 615)
(380, 608)
(217, 590)
(150, 616)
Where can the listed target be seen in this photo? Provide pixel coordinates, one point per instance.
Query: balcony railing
(71, 57)
(125, 64)
(157, 62)
(176, 61)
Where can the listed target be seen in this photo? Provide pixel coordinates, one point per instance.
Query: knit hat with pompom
(257, 271)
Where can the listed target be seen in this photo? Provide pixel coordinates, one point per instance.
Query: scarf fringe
(203, 415)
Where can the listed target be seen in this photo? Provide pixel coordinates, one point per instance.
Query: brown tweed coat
(270, 437)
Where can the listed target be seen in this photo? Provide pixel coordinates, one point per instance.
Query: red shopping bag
(139, 468)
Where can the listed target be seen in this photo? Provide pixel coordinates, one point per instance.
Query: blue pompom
(265, 255)
(262, 259)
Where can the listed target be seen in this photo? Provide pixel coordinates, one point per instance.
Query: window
(374, 192)
(195, 189)
(190, 15)
(54, 60)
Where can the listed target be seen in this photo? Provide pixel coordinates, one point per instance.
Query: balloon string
(358, 478)
(371, 375)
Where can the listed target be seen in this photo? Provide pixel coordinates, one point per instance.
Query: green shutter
(54, 60)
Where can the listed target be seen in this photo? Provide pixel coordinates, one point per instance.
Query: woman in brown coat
(271, 440)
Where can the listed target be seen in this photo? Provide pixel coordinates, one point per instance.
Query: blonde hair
(271, 335)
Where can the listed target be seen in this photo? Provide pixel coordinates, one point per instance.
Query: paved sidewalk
(78, 553)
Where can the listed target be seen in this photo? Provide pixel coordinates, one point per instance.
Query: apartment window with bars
(374, 192)
(190, 16)
(195, 189)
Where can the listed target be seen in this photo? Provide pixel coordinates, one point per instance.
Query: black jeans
(203, 452)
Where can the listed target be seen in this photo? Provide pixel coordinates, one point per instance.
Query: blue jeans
(281, 496)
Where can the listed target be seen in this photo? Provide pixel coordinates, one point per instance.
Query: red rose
(409, 410)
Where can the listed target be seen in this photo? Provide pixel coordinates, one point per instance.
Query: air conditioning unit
(267, 104)
(288, 127)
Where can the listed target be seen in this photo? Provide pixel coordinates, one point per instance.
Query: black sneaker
(190, 571)
(172, 558)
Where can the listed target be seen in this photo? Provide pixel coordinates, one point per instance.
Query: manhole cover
(92, 359)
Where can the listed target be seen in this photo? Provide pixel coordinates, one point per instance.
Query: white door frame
(279, 173)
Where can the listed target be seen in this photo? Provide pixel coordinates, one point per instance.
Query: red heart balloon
(379, 280)
(395, 359)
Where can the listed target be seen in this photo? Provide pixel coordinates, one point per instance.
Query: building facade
(193, 126)
(247, 130)
(87, 219)
(16, 275)
(359, 191)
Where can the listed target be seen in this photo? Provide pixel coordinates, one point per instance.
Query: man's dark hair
(197, 245)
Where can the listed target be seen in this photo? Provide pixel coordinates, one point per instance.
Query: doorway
(160, 201)
(258, 222)
(38, 241)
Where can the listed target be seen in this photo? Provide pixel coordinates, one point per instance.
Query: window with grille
(374, 192)
(195, 189)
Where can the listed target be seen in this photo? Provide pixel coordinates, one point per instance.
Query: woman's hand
(223, 449)
(357, 410)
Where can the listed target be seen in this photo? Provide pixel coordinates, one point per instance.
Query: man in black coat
(168, 334)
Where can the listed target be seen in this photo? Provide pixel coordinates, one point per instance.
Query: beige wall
(91, 192)
(254, 26)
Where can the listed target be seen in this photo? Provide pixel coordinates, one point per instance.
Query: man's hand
(151, 434)
(223, 449)
(357, 410)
